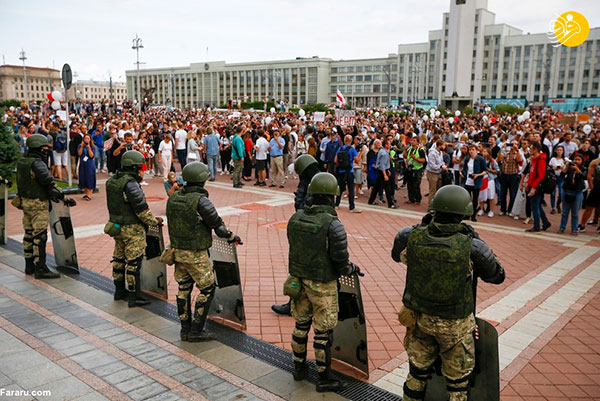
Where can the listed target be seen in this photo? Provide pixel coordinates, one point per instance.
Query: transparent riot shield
(228, 302)
(350, 334)
(485, 382)
(63, 239)
(154, 272)
(3, 210)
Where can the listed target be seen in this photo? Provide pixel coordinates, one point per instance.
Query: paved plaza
(74, 341)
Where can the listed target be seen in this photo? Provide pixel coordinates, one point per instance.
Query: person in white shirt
(180, 145)
(165, 155)
(262, 149)
(557, 163)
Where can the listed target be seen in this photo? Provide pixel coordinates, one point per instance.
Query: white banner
(62, 114)
(345, 117)
(319, 116)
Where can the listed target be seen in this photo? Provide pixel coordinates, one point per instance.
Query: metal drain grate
(278, 357)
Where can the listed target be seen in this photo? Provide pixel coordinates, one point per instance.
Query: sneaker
(355, 196)
(546, 226)
(392, 206)
(262, 184)
(282, 186)
(490, 214)
(257, 183)
(592, 223)
(361, 192)
(480, 212)
(512, 215)
(345, 195)
(574, 233)
(144, 183)
(581, 228)
(533, 230)
(501, 214)
(355, 211)
(417, 203)
(221, 173)
(516, 217)
(561, 231)
(558, 209)
(527, 220)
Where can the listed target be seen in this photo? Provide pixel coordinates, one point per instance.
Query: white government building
(471, 59)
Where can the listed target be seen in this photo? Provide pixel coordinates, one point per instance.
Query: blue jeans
(212, 165)
(559, 183)
(538, 211)
(99, 157)
(572, 207)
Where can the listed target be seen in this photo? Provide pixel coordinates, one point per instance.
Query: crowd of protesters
(518, 165)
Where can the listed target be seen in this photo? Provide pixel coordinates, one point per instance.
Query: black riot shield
(154, 272)
(350, 334)
(63, 238)
(485, 382)
(3, 211)
(228, 302)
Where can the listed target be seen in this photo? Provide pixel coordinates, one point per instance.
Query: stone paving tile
(204, 382)
(147, 357)
(121, 375)
(190, 375)
(78, 349)
(177, 368)
(92, 359)
(140, 349)
(220, 391)
(166, 396)
(22, 360)
(165, 361)
(66, 389)
(134, 383)
(147, 391)
(109, 368)
(30, 378)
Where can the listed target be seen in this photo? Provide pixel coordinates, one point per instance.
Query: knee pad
(183, 308)
(208, 291)
(41, 237)
(323, 339)
(300, 334)
(28, 237)
(135, 263)
(186, 286)
(420, 374)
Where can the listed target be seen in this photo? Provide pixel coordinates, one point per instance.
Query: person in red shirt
(536, 175)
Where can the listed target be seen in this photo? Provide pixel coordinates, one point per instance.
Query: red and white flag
(340, 98)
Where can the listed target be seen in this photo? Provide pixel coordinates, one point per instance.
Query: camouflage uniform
(192, 217)
(193, 267)
(36, 217)
(128, 209)
(317, 303)
(441, 260)
(130, 245)
(36, 188)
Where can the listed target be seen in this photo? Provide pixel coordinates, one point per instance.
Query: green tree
(10, 152)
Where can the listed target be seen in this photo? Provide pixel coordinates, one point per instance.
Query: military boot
(120, 291)
(300, 370)
(283, 309)
(185, 329)
(134, 297)
(197, 332)
(326, 382)
(29, 266)
(41, 270)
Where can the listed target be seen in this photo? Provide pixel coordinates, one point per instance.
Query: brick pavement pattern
(537, 265)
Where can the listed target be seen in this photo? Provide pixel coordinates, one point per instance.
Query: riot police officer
(129, 215)
(192, 217)
(442, 256)
(318, 255)
(306, 167)
(35, 188)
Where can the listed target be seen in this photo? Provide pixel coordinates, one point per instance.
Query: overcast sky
(95, 37)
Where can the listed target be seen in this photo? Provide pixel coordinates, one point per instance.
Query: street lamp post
(23, 57)
(137, 45)
(388, 73)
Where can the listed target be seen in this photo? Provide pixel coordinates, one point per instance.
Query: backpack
(330, 151)
(60, 142)
(343, 160)
(548, 184)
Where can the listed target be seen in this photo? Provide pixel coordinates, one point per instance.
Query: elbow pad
(338, 246)
(400, 242)
(135, 196)
(42, 174)
(209, 214)
(485, 264)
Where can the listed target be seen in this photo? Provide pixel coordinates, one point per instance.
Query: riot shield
(3, 210)
(63, 239)
(485, 382)
(154, 272)
(350, 334)
(228, 302)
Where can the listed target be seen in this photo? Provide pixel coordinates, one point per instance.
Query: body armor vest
(187, 230)
(27, 185)
(439, 275)
(307, 236)
(120, 211)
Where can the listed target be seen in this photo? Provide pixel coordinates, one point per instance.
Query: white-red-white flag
(340, 98)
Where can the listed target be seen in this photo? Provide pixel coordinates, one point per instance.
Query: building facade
(96, 91)
(40, 82)
(471, 59)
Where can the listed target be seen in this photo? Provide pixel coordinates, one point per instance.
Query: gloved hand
(69, 202)
(356, 269)
(235, 240)
(160, 221)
